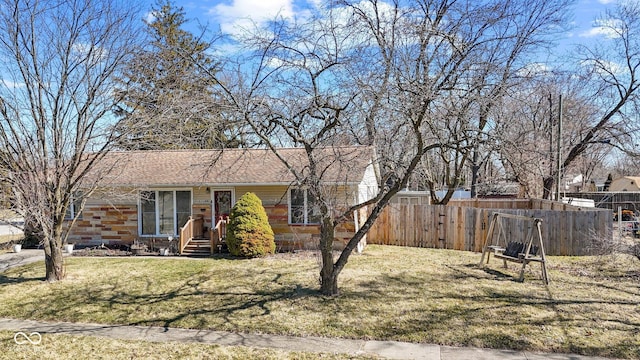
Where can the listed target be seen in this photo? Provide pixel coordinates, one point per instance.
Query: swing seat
(515, 252)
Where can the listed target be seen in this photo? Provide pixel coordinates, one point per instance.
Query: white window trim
(73, 212)
(157, 213)
(305, 206)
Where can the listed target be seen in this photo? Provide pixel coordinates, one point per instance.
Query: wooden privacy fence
(463, 225)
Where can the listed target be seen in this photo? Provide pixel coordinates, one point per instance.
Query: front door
(222, 202)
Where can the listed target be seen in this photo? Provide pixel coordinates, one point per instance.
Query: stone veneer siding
(302, 237)
(105, 224)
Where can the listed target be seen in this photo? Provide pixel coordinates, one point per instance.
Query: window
(303, 208)
(74, 207)
(407, 200)
(148, 212)
(164, 212)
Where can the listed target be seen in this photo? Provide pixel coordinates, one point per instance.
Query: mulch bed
(102, 251)
(106, 250)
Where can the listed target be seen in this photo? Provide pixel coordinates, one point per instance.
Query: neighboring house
(415, 197)
(625, 183)
(411, 197)
(574, 184)
(597, 184)
(579, 184)
(147, 197)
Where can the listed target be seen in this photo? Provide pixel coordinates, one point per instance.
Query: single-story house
(625, 183)
(154, 197)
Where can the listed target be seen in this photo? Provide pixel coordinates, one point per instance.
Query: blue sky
(231, 16)
(228, 15)
(586, 12)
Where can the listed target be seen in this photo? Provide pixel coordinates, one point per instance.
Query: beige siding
(627, 183)
(270, 195)
(368, 187)
(201, 196)
(201, 206)
(411, 198)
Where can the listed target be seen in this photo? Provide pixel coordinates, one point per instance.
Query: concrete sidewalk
(24, 257)
(383, 349)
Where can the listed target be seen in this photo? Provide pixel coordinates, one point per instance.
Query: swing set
(518, 252)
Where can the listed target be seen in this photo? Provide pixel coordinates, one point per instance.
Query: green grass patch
(71, 347)
(591, 307)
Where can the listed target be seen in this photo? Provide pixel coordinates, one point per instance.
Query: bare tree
(56, 98)
(300, 94)
(527, 131)
(397, 75)
(610, 70)
(452, 66)
(625, 166)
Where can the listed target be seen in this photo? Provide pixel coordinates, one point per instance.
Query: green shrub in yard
(248, 232)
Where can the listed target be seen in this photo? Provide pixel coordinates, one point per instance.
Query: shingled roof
(343, 165)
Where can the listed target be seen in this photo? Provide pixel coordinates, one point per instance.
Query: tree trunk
(475, 169)
(53, 260)
(328, 274)
(329, 278)
(548, 183)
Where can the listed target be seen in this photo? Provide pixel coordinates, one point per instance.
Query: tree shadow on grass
(19, 275)
(495, 274)
(11, 279)
(499, 275)
(185, 304)
(491, 310)
(226, 307)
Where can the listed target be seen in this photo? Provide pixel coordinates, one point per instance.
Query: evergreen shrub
(248, 231)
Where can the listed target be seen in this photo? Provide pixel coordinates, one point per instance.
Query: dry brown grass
(591, 307)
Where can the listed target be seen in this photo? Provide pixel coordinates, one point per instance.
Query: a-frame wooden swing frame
(496, 233)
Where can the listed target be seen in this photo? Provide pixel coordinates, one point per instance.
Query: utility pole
(559, 167)
(551, 157)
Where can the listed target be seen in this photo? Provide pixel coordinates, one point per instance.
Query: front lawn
(591, 307)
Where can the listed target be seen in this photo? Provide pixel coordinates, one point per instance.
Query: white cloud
(149, 17)
(243, 13)
(533, 69)
(596, 31)
(609, 28)
(88, 52)
(11, 84)
(606, 2)
(604, 68)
